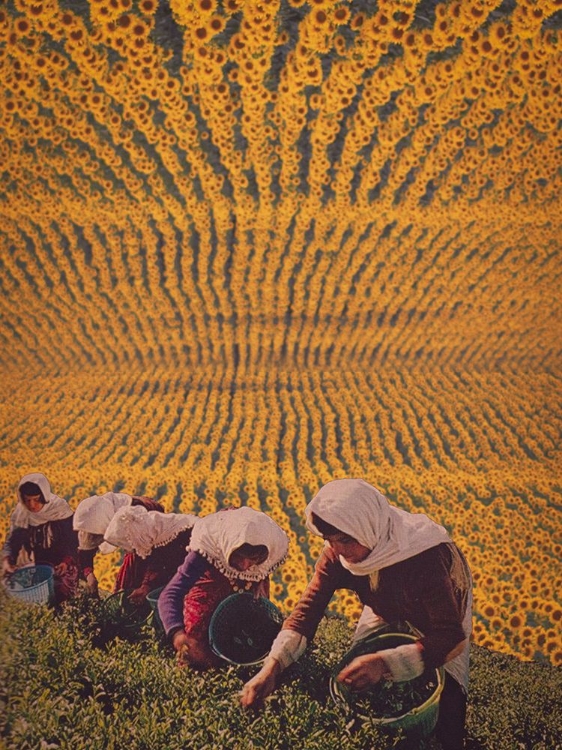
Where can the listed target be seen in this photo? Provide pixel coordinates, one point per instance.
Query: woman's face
(33, 503)
(347, 547)
(242, 560)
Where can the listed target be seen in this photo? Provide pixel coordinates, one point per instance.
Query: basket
(152, 599)
(122, 616)
(418, 721)
(34, 584)
(243, 628)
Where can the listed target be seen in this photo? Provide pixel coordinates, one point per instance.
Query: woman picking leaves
(158, 539)
(404, 568)
(232, 550)
(93, 516)
(41, 530)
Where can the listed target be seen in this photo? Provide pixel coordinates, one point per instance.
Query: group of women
(403, 567)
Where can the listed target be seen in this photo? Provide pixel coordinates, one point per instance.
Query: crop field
(477, 452)
(250, 246)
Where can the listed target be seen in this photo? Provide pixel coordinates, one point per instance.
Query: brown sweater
(429, 590)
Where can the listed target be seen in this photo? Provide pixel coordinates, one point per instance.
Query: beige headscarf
(55, 508)
(357, 508)
(92, 517)
(136, 529)
(217, 535)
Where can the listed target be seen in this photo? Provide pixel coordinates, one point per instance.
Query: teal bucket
(122, 617)
(34, 584)
(152, 599)
(243, 628)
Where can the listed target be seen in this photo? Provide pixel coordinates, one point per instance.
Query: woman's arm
(154, 574)
(86, 561)
(170, 601)
(444, 599)
(434, 600)
(300, 627)
(328, 576)
(17, 538)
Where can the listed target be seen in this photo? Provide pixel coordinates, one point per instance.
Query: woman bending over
(232, 550)
(93, 516)
(158, 539)
(404, 568)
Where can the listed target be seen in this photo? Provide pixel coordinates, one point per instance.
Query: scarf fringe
(163, 543)
(233, 574)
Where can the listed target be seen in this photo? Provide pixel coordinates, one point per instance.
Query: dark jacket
(429, 590)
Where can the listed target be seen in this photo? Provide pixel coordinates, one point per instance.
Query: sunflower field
(250, 246)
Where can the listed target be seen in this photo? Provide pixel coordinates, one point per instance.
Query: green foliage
(58, 690)
(514, 705)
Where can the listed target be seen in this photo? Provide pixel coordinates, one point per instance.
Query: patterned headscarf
(357, 508)
(218, 535)
(137, 530)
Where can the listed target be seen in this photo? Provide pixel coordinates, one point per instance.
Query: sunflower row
(140, 121)
(363, 289)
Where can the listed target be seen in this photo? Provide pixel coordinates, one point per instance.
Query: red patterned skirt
(203, 598)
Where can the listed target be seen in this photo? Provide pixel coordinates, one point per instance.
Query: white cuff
(288, 647)
(403, 662)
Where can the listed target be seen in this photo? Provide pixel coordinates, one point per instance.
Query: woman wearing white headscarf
(232, 550)
(405, 568)
(91, 519)
(41, 529)
(159, 539)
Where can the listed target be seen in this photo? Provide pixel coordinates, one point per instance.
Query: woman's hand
(180, 642)
(363, 672)
(61, 568)
(92, 584)
(138, 595)
(256, 690)
(7, 567)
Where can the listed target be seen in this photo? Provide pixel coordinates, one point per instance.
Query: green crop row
(59, 690)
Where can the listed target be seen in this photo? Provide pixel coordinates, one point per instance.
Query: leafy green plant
(389, 699)
(59, 690)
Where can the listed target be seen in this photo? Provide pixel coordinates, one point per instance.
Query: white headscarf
(93, 515)
(136, 529)
(357, 508)
(55, 508)
(217, 535)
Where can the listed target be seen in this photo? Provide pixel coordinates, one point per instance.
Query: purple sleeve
(170, 601)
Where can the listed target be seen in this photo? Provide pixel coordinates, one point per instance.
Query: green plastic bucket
(419, 720)
(121, 617)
